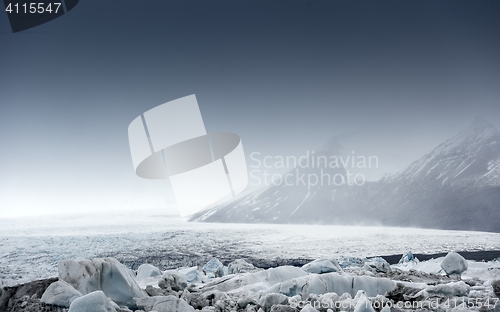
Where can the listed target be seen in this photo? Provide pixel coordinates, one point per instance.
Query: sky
(396, 78)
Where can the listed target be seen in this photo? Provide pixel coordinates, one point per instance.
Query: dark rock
(496, 287)
(418, 277)
(282, 308)
(11, 298)
(401, 293)
(198, 301)
(173, 280)
(152, 291)
(241, 266)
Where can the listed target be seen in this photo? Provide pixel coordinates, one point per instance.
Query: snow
(487, 271)
(332, 282)
(241, 266)
(31, 250)
(465, 168)
(321, 266)
(289, 288)
(453, 289)
(255, 281)
(93, 302)
(305, 198)
(32, 247)
(432, 266)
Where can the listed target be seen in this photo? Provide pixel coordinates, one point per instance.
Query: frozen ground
(30, 248)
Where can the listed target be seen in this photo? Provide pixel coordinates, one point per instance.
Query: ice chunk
(173, 279)
(268, 300)
(82, 274)
(408, 259)
(454, 289)
(106, 274)
(163, 304)
(308, 308)
(255, 281)
(147, 270)
(372, 286)
(332, 282)
(214, 267)
(93, 302)
(241, 266)
(345, 262)
(363, 304)
(246, 300)
(193, 275)
(280, 308)
(376, 259)
(320, 266)
(454, 263)
(327, 300)
(377, 264)
(60, 294)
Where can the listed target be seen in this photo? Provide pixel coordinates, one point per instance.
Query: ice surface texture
(32, 247)
(109, 275)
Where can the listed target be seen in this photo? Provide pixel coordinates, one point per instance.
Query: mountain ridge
(450, 187)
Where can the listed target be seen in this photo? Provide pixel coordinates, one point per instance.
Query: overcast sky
(399, 76)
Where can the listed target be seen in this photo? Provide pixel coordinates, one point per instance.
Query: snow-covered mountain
(293, 202)
(456, 186)
(471, 158)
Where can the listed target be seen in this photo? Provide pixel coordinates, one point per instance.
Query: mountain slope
(295, 202)
(455, 186)
(472, 157)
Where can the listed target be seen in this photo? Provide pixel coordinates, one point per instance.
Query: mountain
(292, 201)
(455, 186)
(470, 158)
